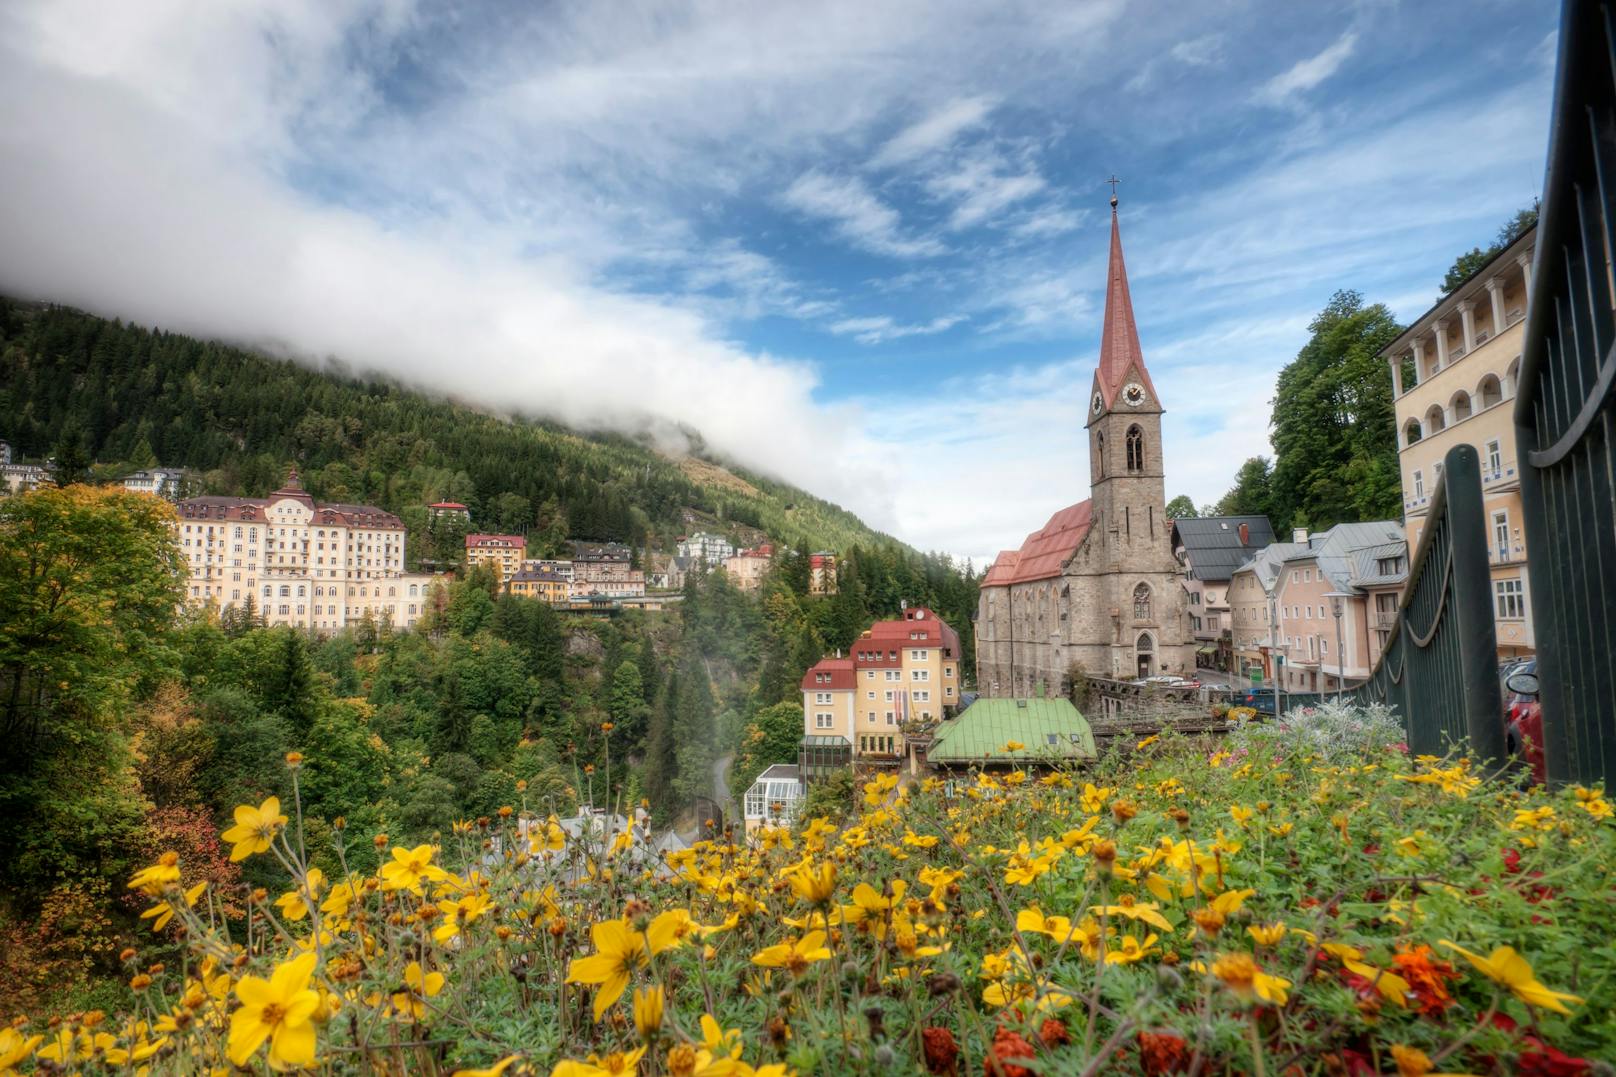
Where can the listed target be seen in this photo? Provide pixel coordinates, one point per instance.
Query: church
(1097, 588)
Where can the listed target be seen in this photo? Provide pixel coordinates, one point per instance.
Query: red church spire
(1119, 341)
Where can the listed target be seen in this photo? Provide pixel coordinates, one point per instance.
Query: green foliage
(770, 737)
(1252, 493)
(1464, 267)
(1335, 451)
(1181, 508)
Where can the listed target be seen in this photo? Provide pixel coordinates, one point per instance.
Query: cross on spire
(1113, 181)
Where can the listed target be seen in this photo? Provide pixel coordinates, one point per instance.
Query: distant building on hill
(20, 478)
(451, 509)
(601, 553)
(606, 579)
(303, 563)
(747, 568)
(504, 552)
(710, 549)
(900, 674)
(165, 482)
(551, 587)
(822, 573)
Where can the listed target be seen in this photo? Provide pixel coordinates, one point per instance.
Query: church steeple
(1119, 340)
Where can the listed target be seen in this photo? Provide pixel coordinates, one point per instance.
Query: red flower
(1163, 1053)
(1007, 1044)
(1512, 860)
(942, 1053)
(1427, 976)
(1546, 1061)
(1053, 1033)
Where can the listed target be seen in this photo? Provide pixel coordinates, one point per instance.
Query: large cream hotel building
(1454, 374)
(306, 564)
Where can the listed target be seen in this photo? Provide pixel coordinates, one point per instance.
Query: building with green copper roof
(1047, 730)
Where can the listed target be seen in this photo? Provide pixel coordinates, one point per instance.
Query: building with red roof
(504, 552)
(906, 670)
(1097, 587)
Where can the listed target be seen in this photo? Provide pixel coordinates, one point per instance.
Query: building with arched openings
(1454, 371)
(1097, 588)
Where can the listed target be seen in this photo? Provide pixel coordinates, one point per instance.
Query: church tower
(1146, 602)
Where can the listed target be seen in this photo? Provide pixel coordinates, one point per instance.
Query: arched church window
(1141, 602)
(1136, 449)
(1144, 645)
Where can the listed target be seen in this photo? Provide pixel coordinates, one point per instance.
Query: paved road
(721, 779)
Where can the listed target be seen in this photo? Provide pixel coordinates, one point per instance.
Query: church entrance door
(1145, 649)
(1144, 666)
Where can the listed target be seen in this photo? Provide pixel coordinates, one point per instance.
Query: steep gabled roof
(1045, 551)
(1212, 546)
(1119, 340)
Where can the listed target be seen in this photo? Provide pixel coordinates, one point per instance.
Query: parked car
(1523, 719)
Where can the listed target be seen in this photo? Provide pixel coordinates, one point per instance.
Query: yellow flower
(1033, 921)
(814, 884)
(1241, 815)
(1411, 1061)
(648, 1011)
(293, 905)
(619, 949)
(1266, 934)
(279, 1010)
(1229, 902)
(255, 828)
(614, 1064)
(457, 914)
(1143, 911)
(15, 1047)
(419, 986)
(1013, 746)
(796, 955)
(1147, 742)
(1510, 969)
(408, 867)
(1130, 951)
(164, 910)
(152, 880)
(720, 1041)
(1241, 975)
(919, 842)
(492, 1071)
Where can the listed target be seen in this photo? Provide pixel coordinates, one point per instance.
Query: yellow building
(903, 670)
(504, 552)
(302, 563)
(551, 587)
(1454, 374)
(747, 569)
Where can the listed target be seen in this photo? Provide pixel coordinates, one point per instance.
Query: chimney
(1299, 535)
(1245, 534)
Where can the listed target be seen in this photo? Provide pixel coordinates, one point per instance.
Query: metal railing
(1439, 669)
(1564, 411)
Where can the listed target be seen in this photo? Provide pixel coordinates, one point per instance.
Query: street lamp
(1273, 649)
(1338, 604)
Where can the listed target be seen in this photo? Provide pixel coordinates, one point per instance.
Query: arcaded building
(1097, 587)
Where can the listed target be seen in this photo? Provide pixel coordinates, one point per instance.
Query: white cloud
(981, 187)
(1308, 73)
(882, 328)
(859, 216)
(936, 132)
(1203, 51)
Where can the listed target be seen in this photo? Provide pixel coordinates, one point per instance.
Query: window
(1141, 602)
(920, 674)
(821, 697)
(889, 695)
(870, 694)
(894, 674)
(1509, 599)
(1419, 483)
(823, 720)
(890, 719)
(1495, 457)
(1136, 449)
(1501, 535)
(917, 656)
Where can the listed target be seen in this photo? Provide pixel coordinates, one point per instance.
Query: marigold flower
(1266, 934)
(814, 884)
(619, 950)
(278, 1010)
(1411, 1061)
(490, 1071)
(294, 760)
(408, 868)
(612, 1065)
(419, 985)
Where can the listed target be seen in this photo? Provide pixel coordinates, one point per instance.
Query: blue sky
(856, 245)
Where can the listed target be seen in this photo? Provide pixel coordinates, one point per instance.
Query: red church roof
(1045, 551)
(1119, 340)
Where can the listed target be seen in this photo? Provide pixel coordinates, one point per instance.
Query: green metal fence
(1439, 670)
(1564, 410)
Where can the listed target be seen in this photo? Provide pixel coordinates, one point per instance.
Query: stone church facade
(1097, 587)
